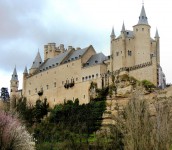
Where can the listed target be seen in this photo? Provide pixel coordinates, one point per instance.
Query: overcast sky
(27, 25)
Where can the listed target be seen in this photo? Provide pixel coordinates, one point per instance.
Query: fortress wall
(61, 75)
(145, 73)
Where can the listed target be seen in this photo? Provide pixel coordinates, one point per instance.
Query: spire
(123, 27)
(112, 33)
(14, 75)
(156, 34)
(143, 18)
(25, 71)
(38, 61)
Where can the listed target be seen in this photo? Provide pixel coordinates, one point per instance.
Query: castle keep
(66, 74)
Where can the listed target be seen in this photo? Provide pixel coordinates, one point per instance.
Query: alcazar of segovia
(67, 74)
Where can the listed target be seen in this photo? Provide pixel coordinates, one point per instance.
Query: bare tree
(144, 128)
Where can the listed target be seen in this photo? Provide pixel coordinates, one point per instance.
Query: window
(97, 75)
(136, 29)
(29, 92)
(36, 90)
(84, 96)
(62, 82)
(82, 78)
(47, 87)
(142, 29)
(76, 79)
(93, 76)
(129, 53)
(117, 53)
(54, 84)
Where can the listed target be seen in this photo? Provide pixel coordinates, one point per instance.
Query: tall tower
(25, 74)
(112, 36)
(142, 39)
(14, 83)
(157, 47)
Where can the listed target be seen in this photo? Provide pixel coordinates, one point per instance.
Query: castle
(66, 74)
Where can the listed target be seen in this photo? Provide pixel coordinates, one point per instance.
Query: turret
(14, 83)
(25, 74)
(157, 46)
(142, 39)
(123, 32)
(112, 42)
(36, 63)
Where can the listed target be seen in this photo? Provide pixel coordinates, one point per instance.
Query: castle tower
(142, 39)
(112, 36)
(51, 50)
(123, 45)
(157, 47)
(25, 74)
(14, 83)
(36, 63)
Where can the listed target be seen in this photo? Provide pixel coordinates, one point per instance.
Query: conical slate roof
(37, 62)
(25, 71)
(156, 34)
(112, 33)
(123, 27)
(143, 18)
(14, 75)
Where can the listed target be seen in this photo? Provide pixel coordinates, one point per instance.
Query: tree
(13, 135)
(144, 125)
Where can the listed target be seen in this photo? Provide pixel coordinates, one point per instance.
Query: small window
(29, 92)
(96, 61)
(84, 96)
(97, 75)
(36, 90)
(93, 76)
(67, 65)
(62, 82)
(117, 53)
(82, 78)
(136, 29)
(76, 79)
(89, 77)
(142, 29)
(54, 84)
(86, 77)
(47, 87)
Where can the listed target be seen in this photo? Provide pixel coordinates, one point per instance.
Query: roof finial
(142, 2)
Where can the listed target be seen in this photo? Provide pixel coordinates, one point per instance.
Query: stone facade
(66, 74)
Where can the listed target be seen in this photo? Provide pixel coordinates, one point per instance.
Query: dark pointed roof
(156, 34)
(123, 27)
(37, 62)
(14, 75)
(143, 18)
(112, 33)
(25, 71)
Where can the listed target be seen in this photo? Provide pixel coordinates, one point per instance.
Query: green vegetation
(149, 86)
(67, 126)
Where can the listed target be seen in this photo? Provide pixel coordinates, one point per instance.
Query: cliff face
(119, 99)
